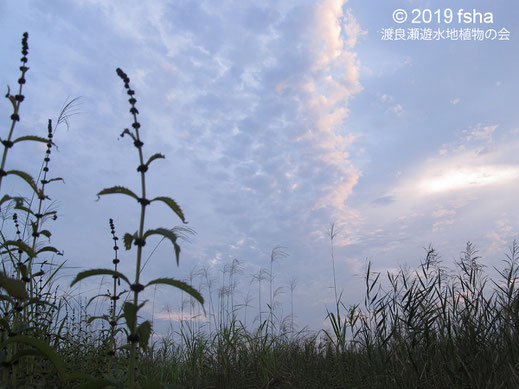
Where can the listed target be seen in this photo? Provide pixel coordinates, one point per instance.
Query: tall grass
(431, 326)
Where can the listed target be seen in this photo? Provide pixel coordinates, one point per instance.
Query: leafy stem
(15, 100)
(139, 242)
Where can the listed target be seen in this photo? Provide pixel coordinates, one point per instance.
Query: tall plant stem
(133, 346)
(16, 101)
(332, 234)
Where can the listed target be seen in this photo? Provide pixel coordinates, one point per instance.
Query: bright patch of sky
(277, 119)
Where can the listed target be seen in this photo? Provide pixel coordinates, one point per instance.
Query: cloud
(383, 200)
(437, 226)
(443, 212)
(179, 316)
(386, 98)
(397, 109)
(474, 161)
(480, 132)
(254, 133)
(451, 179)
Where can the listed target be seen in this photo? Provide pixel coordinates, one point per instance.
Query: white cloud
(457, 178)
(180, 316)
(443, 212)
(437, 226)
(397, 109)
(481, 132)
(386, 98)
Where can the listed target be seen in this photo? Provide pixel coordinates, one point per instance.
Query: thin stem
(16, 101)
(332, 235)
(139, 242)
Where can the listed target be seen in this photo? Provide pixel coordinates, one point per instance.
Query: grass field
(429, 327)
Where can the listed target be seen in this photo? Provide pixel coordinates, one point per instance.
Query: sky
(277, 119)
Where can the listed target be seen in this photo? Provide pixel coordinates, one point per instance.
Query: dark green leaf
(21, 245)
(94, 297)
(26, 177)
(127, 132)
(25, 353)
(128, 240)
(55, 179)
(35, 300)
(130, 314)
(21, 206)
(43, 347)
(180, 285)
(144, 332)
(49, 249)
(33, 138)
(154, 157)
(173, 205)
(5, 198)
(11, 99)
(168, 234)
(98, 272)
(118, 190)
(103, 317)
(22, 269)
(46, 233)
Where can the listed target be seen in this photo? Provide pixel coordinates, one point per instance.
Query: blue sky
(277, 119)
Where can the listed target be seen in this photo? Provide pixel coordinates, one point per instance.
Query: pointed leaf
(33, 138)
(98, 272)
(26, 177)
(128, 240)
(21, 207)
(21, 245)
(168, 234)
(127, 132)
(180, 285)
(46, 233)
(11, 99)
(130, 314)
(97, 296)
(22, 269)
(103, 317)
(173, 205)
(55, 179)
(14, 288)
(25, 353)
(35, 300)
(144, 332)
(118, 190)
(43, 347)
(5, 198)
(49, 249)
(154, 157)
